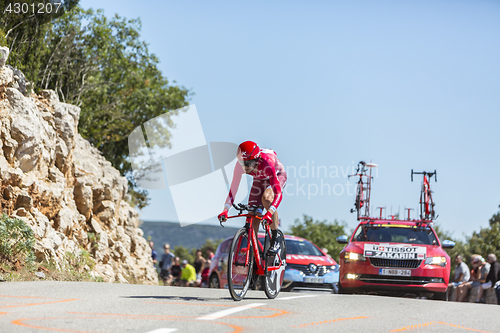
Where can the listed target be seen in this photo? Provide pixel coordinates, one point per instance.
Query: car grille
(399, 263)
(320, 271)
(370, 278)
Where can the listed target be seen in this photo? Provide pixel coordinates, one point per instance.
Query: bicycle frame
(256, 244)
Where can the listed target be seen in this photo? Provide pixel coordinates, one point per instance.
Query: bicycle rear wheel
(273, 280)
(239, 274)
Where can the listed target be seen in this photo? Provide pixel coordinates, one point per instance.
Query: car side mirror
(448, 244)
(343, 239)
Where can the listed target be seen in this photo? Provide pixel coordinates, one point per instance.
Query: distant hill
(190, 236)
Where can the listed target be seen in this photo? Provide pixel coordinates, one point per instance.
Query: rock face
(61, 186)
(4, 54)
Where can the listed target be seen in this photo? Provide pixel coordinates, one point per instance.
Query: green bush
(16, 241)
(94, 240)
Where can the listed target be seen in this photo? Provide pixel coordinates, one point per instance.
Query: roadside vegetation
(18, 262)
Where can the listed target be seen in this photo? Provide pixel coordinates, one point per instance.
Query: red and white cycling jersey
(269, 168)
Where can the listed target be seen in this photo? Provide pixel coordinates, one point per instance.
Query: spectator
(480, 269)
(461, 291)
(188, 275)
(176, 272)
(493, 278)
(462, 274)
(211, 253)
(166, 262)
(154, 254)
(199, 265)
(204, 273)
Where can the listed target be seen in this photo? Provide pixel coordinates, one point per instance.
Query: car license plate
(313, 280)
(395, 272)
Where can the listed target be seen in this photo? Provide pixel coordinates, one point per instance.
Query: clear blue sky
(406, 84)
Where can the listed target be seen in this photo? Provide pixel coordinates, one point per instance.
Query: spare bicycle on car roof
(363, 190)
(426, 203)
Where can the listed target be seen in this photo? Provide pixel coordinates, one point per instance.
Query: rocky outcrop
(61, 186)
(4, 54)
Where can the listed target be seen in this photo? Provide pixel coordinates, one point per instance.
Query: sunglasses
(248, 163)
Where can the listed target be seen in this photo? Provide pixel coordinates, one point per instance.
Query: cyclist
(269, 179)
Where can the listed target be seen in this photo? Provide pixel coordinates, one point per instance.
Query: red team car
(394, 256)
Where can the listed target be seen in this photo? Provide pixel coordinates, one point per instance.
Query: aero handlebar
(430, 174)
(241, 208)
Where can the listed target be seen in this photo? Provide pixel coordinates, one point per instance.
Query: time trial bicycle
(426, 203)
(248, 259)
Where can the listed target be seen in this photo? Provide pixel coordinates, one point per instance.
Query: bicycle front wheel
(239, 273)
(273, 279)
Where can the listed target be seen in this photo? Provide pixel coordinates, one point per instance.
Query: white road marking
(163, 330)
(224, 313)
(292, 297)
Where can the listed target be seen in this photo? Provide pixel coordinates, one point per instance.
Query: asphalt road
(101, 307)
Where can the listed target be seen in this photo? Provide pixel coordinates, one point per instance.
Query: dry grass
(72, 268)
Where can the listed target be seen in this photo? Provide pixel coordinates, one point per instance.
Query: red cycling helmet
(248, 151)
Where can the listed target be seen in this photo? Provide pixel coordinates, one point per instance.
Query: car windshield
(301, 247)
(395, 234)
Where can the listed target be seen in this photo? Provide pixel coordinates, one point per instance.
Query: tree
(184, 253)
(486, 241)
(321, 233)
(495, 219)
(101, 65)
(23, 29)
(210, 245)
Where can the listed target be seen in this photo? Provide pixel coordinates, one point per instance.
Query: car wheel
(214, 282)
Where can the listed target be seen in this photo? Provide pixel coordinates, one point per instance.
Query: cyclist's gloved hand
(268, 217)
(223, 216)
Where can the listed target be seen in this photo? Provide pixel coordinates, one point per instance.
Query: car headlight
(352, 276)
(439, 261)
(333, 268)
(353, 256)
